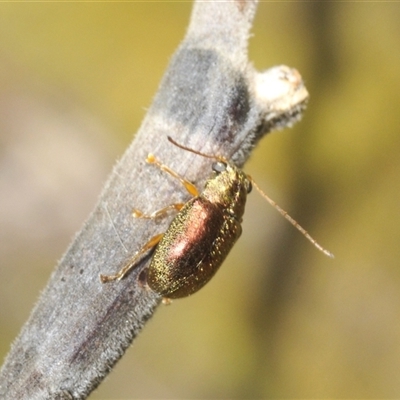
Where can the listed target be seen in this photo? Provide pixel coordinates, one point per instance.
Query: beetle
(202, 233)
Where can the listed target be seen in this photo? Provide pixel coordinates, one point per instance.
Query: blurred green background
(279, 319)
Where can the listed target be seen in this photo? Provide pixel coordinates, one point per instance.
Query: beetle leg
(166, 301)
(156, 214)
(192, 190)
(133, 261)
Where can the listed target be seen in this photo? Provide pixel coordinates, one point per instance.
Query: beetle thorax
(228, 189)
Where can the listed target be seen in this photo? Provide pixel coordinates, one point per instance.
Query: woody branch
(210, 99)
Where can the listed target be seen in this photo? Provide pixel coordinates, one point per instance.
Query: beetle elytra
(202, 233)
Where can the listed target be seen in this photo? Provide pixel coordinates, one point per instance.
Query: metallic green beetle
(202, 233)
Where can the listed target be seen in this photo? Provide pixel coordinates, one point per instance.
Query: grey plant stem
(210, 99)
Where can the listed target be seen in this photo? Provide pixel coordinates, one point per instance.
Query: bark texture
(210, 99)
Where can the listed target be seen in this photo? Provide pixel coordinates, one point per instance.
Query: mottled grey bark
(211, 100)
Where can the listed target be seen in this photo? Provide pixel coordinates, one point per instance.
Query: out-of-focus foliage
(279, 319)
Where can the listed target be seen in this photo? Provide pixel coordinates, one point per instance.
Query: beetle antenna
(292, 221)
(181, 146)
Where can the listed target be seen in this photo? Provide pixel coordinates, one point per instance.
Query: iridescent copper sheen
(203, 232)
(201, 235)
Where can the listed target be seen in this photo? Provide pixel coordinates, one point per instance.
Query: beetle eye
(249, 187)
(219, 167)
